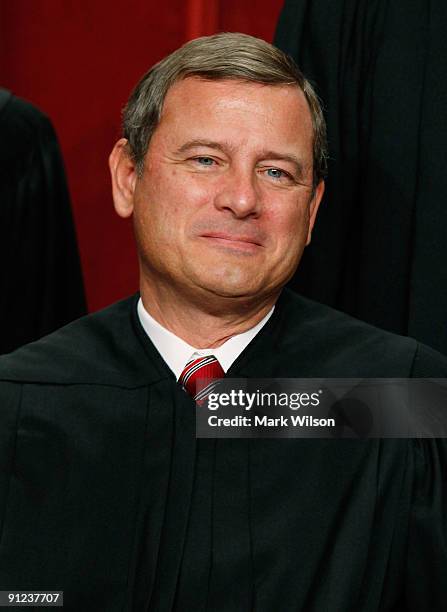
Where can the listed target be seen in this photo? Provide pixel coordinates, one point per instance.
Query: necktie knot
(200, 376)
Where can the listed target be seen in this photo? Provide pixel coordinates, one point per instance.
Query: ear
(124, 178)
(314, 205)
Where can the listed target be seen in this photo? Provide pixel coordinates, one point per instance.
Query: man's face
(225, 204)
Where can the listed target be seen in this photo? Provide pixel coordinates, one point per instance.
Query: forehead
(237, 111)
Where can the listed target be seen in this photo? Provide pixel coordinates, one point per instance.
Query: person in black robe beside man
(379, 253)
(41, 286)
(105, 492)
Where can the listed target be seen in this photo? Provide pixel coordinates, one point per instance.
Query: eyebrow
(212, 144)
(293, 159)
(225, 147)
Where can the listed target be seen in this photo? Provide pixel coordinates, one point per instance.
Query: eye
(203, 160)
(277, 174)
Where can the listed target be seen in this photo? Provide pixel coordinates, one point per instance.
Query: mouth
(235, 242)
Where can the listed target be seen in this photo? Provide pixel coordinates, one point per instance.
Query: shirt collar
(176, 352)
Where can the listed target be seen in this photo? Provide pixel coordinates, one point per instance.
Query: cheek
(180, 194)
(168, 205)
(170, 193)
(287, 226)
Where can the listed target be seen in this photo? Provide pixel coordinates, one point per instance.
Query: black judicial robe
(379, 247)
(106, 494)
(41, 287)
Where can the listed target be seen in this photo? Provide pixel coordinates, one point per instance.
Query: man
(106, 494)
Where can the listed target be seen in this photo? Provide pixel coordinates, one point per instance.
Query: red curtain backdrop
(77, 62)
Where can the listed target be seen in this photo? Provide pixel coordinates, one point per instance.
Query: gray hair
(218, 57)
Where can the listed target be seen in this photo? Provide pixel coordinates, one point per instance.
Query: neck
(205, 323)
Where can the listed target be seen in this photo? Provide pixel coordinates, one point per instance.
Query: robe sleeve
(428, 363)
(9, 408)
(426, 583)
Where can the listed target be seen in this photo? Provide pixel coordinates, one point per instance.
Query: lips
(233, 239)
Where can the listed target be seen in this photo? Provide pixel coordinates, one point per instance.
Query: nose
(239, 194)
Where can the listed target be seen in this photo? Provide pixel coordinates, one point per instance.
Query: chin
(232, 286)
(232, 292)
(230, 279)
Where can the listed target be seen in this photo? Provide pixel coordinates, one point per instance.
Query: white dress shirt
(176, 352)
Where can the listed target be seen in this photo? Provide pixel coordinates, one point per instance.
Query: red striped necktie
(200, 376)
